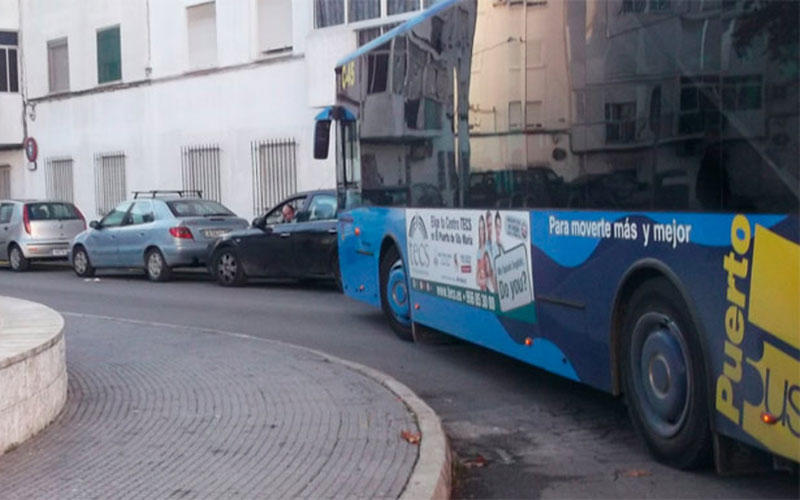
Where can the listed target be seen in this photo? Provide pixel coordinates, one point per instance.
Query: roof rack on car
(157, 192)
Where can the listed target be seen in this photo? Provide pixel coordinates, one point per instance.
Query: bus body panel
(576, 278)
(604, 120)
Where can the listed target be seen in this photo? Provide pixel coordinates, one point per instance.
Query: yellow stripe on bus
(775, 286)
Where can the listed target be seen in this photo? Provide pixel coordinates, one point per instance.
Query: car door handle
(285, 235)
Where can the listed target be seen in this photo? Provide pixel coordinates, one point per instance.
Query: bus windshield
(348, 160)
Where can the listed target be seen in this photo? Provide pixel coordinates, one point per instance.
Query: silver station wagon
(37, 230)
(156, 231)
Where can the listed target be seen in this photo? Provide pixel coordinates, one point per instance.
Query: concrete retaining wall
(33, 372)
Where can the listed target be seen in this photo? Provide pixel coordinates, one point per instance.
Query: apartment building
(124, 95)
(11, 123)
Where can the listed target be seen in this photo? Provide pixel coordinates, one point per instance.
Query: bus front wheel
(395, 298)
(664, 376)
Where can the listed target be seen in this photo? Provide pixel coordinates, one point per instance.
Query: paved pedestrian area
(168, 412)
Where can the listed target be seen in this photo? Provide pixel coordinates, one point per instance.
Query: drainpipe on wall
(148, 69)
(23, 90)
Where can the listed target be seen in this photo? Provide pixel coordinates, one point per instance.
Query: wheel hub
(663, 373)
(80, 262)
(155, 265)
(397, 293)
(227, 268)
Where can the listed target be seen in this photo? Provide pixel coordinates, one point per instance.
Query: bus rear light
(361, 288)
(769, 418)
(180, 232)
(416, 307)
(528, 341)
(357, 231)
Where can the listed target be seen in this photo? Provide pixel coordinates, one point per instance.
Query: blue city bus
(605, 189)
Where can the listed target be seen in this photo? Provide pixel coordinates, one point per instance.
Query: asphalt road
(518, 432)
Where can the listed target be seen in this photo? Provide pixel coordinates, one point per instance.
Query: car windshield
(52, 211)
(197, 208)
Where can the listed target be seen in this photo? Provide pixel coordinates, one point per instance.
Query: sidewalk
(157, 411)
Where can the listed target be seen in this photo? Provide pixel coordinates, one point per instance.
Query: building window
(360, 10)
(534, 54)
(699, 105)
(202, 27)
(109, 59)
(368, 34)
(533, 114)
(58, 179)
(400, 6)
(58, 65)
(659, 5)
(5, 182)
(328, 13)
(109, 176)
(200, 170)
(514, 115)
(274, 26)
(740, 93)
(9, 76)
(274, 172)
(637, 6)
(620, 122)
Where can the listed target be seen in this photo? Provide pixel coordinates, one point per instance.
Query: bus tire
(664, 376)
(395, 299)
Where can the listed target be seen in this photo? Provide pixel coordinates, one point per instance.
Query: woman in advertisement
(480, 262)
(483, 261)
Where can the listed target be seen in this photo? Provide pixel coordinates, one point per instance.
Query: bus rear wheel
(664, 376)
(395, 298)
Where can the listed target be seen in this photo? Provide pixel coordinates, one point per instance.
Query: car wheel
(156, 266)
(664, 377)
(17, 260)
(81, 263)
(395, 298)
(228, 269)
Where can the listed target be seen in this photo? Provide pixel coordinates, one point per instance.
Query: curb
(431, 477)
(33, 373)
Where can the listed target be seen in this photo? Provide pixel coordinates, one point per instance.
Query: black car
(294, 239)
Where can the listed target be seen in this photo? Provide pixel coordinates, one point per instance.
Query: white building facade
(124, 95)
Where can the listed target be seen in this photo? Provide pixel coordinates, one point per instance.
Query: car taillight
(80, 214)
(181, 232)
(26, 219)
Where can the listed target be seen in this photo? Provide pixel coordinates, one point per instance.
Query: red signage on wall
(31, 149)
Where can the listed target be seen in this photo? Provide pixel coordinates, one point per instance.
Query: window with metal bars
(58, 179)
(9, 70)
(274, 172)
(109, 180)
(201, 171)
(5, 182)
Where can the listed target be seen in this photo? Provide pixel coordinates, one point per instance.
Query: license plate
(60, 252)
(214, 233)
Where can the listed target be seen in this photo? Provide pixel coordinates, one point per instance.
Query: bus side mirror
(322, 132)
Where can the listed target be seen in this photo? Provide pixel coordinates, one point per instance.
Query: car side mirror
(260, 223)
(322, 135)
(95, 225)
